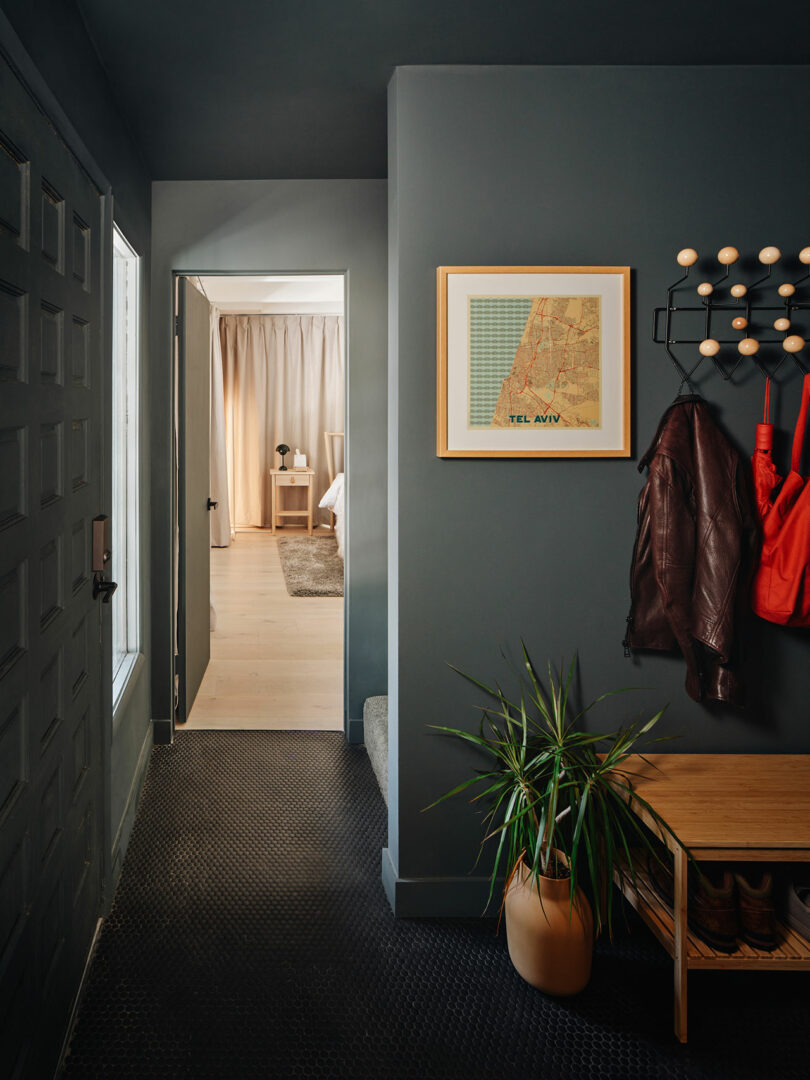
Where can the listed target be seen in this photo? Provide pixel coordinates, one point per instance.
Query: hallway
(250, 937)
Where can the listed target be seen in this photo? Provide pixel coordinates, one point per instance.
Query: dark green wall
(276, 226)
(561, 166)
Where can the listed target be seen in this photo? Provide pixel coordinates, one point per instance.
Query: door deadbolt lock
(101, 543)
(101, 556)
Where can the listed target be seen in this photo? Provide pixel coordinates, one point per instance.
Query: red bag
(781, 589)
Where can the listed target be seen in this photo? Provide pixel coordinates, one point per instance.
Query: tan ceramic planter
(550, 944)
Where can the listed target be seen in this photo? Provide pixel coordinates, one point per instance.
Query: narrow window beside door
(125, 486)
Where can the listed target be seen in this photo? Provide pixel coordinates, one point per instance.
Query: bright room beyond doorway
(276, 660)
(277, 380)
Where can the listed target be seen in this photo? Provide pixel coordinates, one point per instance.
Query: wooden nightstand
(290, 478)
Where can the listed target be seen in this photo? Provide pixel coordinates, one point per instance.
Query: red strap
(765, 429)
(801, 423)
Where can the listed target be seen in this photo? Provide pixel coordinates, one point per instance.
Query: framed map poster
(533, 361)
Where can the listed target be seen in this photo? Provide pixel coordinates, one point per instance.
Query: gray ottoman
(375, 736)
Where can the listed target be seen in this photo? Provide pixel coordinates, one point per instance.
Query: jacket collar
(682, 399)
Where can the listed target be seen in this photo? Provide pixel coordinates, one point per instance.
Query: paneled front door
(54, 636)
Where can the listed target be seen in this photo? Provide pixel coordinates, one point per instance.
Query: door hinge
(177, 326)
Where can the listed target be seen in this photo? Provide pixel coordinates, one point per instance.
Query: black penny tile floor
(250, 937)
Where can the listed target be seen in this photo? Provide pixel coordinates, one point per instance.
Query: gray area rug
(311, 565)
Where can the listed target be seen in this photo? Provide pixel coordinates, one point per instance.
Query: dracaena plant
(551, 786)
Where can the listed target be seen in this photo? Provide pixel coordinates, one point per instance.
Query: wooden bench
(724, 808)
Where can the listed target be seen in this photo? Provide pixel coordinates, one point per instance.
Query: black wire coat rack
(751, 309)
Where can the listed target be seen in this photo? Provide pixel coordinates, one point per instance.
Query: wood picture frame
(493, 325)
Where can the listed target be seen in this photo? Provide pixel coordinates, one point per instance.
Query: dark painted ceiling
(256, 88)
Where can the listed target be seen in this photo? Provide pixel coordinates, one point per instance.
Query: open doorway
(275, 507)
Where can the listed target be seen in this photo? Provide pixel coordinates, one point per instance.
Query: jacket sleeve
(673, 557)
(730, 537)
(722, 567)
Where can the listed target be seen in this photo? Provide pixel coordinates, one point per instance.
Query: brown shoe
(757, 917)
(712, 911)
(711, 908)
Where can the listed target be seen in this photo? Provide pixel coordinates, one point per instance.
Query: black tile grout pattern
(250, 937)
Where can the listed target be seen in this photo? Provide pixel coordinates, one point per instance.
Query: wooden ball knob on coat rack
(709, 347)
(753, 319)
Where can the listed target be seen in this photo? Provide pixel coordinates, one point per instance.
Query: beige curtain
(283, 382)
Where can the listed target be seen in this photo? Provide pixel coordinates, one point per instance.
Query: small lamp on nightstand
(282, 449)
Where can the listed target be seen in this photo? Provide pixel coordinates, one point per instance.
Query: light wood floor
(276, 659)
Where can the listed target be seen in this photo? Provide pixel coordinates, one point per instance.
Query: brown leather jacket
(694, 552)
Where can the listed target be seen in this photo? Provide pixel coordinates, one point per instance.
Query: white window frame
(126, 532)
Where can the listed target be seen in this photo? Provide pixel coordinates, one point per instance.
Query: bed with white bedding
(334, 500)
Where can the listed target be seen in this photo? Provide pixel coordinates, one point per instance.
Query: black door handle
(212, 504)
(103, 588)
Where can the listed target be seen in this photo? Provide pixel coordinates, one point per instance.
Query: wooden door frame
(177, 411)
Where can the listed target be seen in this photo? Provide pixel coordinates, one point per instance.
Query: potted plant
(559, 817)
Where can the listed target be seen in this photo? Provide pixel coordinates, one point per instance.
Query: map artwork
(535, 362)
